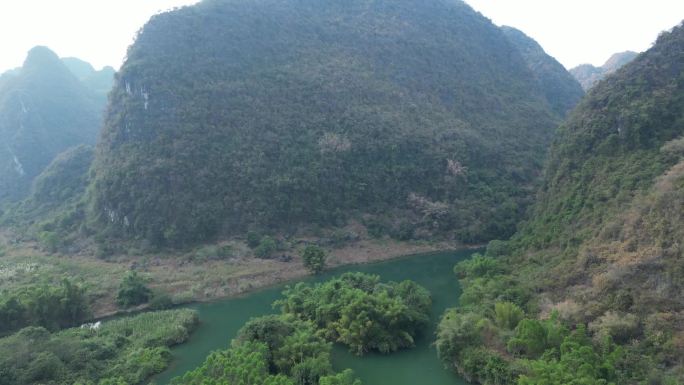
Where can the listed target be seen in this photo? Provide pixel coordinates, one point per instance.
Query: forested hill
(416, 117)
(44, 110)
(588, 75)
(600, 260)
(559, 87)
(605, 238)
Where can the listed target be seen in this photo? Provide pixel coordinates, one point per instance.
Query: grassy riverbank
(123, 351)
(194, 275)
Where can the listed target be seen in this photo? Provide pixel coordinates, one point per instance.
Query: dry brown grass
(177, 275)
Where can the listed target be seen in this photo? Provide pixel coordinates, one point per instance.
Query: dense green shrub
(508, 315)
(244, 364)
(361, 312)
(267, 246)
(579, 363)
(533, 337)
(124, 351)
(478, 266)
(345, 377)
(456, 333)
(314, 258)
(50, 307)
(253, 239)
(271, 350)
(132, 290)
(482, 366)
(161, 301)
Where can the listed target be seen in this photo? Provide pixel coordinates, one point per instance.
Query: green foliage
(620, 328)
(346, 377)
(579, 364)
(267, 246)
(486, 292)
(293, 345)
(507, 315)
(533, 337)
(53, 213)
(48, 240)
(609, 151)
(314, 258)
(161, 301)
(359, 311)
(213, 253)
(124, 351)
(253, 239)
(486, 367)
(456, 333)
(315, 129)
(478, 266)
(132, 291)
(274, 349)
(606, 227)
(49, 307)
(497, 248)
(244, 364)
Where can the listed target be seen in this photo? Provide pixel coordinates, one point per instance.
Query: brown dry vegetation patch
(184, 279)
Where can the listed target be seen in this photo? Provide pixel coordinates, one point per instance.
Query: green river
(221, 320)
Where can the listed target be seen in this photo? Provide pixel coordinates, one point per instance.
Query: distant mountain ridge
(44, 110)
(588, 75)
(415, 118)
(99, 81)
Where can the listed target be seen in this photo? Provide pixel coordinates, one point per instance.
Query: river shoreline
(221, 320)
(361, 253)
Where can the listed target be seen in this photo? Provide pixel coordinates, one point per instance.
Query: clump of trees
(133, 291)
(494, 337)
(314, 258)
(293, 348)
(362, 312)
(273, 350)
(46, 306)
(125, 351)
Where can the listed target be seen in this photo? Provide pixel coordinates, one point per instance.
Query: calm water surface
(221, 320)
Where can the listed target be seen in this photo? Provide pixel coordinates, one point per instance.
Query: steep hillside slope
(44, 110)
(601, 259)
(417, 118)
(560, 88)
(588, 75)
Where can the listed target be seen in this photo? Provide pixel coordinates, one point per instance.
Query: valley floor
(182, 277)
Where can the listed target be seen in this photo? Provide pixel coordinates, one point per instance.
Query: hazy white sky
(573, 31)
(586, 31)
